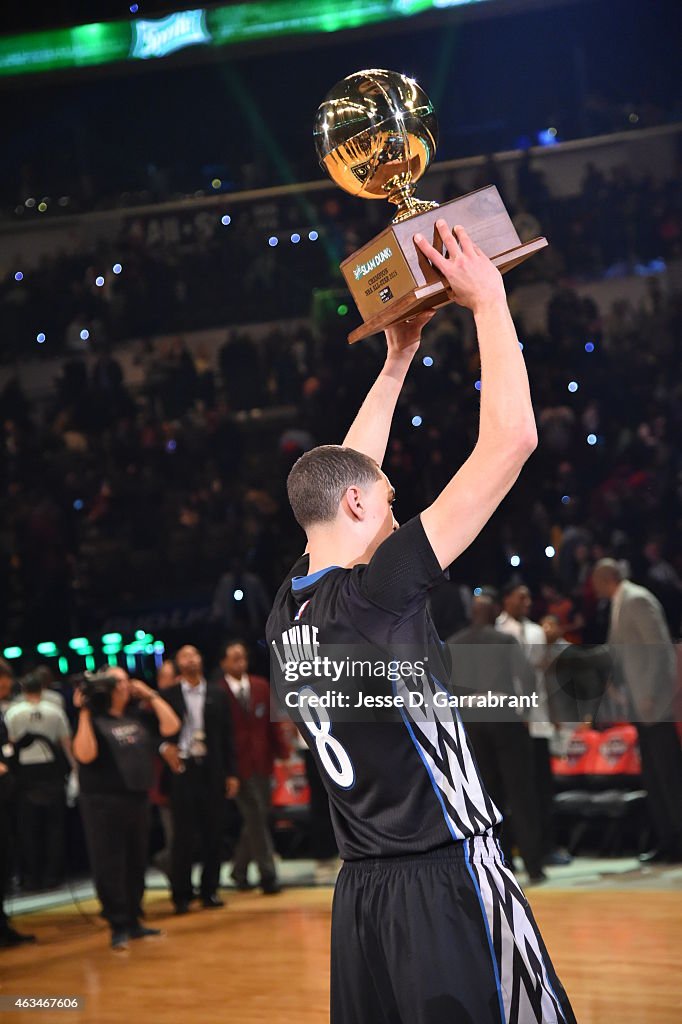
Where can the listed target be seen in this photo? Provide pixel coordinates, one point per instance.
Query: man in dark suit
(644, 670)
(486, 659)
(204, 771)
(258, 741)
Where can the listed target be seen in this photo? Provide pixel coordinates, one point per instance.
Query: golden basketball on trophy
(376, 134)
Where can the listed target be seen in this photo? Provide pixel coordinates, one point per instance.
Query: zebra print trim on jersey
(438, 734)
(528, 993)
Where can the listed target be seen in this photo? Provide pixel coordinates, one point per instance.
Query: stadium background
(173, 318)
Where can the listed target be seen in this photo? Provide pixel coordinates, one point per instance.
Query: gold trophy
(376, 134)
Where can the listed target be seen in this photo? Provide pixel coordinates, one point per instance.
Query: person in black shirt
(114, 746)
(428, 925)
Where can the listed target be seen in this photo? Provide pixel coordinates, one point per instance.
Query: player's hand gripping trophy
(376, 134)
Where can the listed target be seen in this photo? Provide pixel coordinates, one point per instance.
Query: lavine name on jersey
(299, 643)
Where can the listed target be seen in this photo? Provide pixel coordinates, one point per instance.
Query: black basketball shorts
(440, 938)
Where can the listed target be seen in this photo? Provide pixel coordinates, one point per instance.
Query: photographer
(115, 748)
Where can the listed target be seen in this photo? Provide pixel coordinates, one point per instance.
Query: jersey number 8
(332, 754)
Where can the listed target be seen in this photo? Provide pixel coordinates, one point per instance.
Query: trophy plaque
(375, 135)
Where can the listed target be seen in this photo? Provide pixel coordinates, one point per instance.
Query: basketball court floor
(614, 931)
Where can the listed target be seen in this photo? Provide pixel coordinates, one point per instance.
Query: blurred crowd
(188, 272)
(155, 470)
(616, 221)
(50, 182)
(115, 495)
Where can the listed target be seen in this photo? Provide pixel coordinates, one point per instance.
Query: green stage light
(342, 309)
(112, 638)
(48, 649)
(64, 665)
(12, 652)
(78, 643)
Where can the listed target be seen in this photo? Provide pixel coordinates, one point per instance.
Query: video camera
(96, 688)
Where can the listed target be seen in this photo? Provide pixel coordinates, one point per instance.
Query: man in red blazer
(258, 741)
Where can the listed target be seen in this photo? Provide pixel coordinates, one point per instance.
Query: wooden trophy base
(390, 279)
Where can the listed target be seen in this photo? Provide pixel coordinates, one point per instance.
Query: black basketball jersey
(399, 771)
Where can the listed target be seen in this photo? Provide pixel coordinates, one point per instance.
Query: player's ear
(353, 499)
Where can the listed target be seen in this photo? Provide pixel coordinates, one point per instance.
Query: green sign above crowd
(143, 39)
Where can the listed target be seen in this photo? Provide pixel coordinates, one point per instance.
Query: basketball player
(428, 925)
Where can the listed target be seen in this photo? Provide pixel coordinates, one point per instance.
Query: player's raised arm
(507, 434)
(370, 428)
